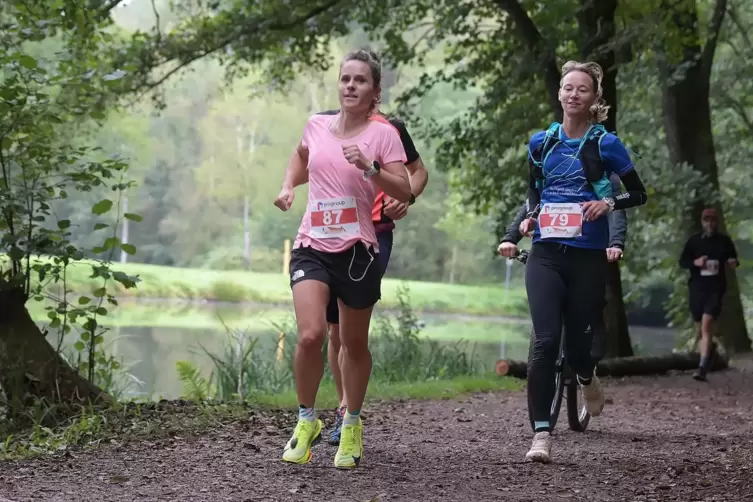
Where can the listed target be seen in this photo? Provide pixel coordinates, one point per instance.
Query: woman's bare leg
(356, 357)
(310, 299)
(333, 357)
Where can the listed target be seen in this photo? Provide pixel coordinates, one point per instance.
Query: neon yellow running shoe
(305, 435)
(350, 452)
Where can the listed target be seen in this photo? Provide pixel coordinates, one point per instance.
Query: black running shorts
(352, 275)
(705, 301)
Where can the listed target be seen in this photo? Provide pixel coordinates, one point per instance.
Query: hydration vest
(589, 153)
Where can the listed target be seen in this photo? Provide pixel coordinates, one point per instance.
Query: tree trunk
(687, 120)
(596, 21)
(617, 332)
(246, 235)
(731, 322)
(627, 366)
(30, 368)
(543, 54)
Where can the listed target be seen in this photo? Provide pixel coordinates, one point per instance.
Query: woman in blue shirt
(569, 197)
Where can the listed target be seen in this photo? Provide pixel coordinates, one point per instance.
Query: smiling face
(577, 94)
(356, 88)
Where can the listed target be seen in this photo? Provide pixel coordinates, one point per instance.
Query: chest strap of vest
(589, 153)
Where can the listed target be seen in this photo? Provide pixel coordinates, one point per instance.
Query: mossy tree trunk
(30, 368)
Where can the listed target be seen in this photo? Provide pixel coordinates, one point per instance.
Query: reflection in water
(154, 352)
(150, 342)
(151, 354)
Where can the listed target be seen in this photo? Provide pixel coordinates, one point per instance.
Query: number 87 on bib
(336, 217)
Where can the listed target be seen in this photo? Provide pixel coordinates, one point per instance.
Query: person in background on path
(707, 254)
(345, 158)
(385, 212)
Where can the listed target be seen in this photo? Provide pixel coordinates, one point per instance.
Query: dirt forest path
(660, 438)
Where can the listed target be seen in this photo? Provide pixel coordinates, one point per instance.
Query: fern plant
(195, 386)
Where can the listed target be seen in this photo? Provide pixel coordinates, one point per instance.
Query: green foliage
(465, 77)
(110, 373)
(194, 385)
(400, 354)
(283, 38)
(45, 97)
(272, 287)
(215, 144)
(230, 292)
(83, 429)
(246, 370)
(243, 370)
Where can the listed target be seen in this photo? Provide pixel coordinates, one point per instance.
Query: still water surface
(152, 337)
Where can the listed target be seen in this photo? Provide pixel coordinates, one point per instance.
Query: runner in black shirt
(706, 255)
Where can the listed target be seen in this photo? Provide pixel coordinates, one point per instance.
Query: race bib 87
(336, 217)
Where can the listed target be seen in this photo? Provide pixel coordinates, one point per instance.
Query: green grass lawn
(379, 391)
(273, 288)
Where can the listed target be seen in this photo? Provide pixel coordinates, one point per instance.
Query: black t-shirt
(718, 248)
(411, 154)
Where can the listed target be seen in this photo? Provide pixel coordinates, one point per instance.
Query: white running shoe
(541, 449)
(593, 395)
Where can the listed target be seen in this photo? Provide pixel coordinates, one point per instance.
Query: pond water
(150, 337)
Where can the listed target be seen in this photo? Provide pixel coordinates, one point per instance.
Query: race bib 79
(561, 220)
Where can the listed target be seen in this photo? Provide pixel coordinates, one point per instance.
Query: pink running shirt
(338, 213)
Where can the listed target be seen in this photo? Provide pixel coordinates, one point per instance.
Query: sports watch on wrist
(374, 169)
(610, 202)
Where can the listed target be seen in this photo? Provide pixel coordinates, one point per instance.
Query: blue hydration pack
(589, 153)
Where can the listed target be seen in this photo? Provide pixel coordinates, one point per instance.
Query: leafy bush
(400, 354)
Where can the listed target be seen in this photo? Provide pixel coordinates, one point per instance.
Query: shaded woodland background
(195, 107)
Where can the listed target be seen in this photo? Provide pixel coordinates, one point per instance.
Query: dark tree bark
(597, 27)
(687, 120)
(30, 368)
(544, 55)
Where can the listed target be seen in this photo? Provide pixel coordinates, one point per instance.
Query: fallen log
(627, 366)
(517, 369)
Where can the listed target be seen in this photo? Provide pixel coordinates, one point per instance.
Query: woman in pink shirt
(345, 158)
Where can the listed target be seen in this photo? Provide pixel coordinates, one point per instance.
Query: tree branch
(103, 10)
(430, 31)
(738, 53)
(739, 109)
(157, 22)
(545, 55)
(251, 28)
(707, 55)
(598, 33)
(733, 15)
